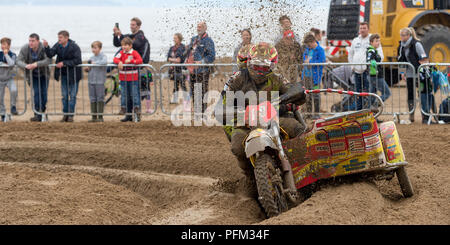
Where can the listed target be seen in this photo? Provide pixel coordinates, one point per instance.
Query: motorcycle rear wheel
(405, 183)
(270, 193)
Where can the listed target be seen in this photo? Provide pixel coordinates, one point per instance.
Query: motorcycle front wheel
(270, 185)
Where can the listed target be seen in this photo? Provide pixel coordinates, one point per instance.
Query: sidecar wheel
(405, 183)
(270, 195)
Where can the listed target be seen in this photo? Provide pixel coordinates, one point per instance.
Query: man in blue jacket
(68, 57)
(201, 50)
(312, 75)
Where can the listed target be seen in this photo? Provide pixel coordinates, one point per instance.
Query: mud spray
(155, 173)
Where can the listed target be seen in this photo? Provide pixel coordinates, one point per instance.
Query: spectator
(290, 56)
(201, 50)
(410, 50)
(68, 57)
(7, 58)
(324, 44)
(176, 56)
(377, 81)
(312, 75)
(317, 34)
(246, 36)
(96, 80)
(33, 59)
(129, 78)
(357, 55)
(286, 25)
(426, 90)
(324, 41)
(140, 42)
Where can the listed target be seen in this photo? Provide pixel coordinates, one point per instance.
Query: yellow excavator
(430, 19)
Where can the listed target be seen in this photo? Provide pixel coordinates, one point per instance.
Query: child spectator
(426, 90)
(312, 75)
(7, 58)
(96, 79)
(129, 78)
(376, 79)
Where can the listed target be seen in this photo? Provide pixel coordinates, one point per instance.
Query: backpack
(440, 81)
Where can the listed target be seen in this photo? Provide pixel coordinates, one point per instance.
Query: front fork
(288, 176)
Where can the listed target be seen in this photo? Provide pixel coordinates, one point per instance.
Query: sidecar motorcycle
(344, 144)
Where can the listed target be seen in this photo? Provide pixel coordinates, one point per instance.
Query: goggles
(260, 68)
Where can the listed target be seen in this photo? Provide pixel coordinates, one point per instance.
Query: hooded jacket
(373, 57)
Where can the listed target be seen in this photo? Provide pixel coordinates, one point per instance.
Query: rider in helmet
(258, 75)
(241, 61)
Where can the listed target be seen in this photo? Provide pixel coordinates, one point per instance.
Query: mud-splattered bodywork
(341, 145)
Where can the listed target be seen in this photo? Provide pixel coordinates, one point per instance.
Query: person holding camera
(140, 42)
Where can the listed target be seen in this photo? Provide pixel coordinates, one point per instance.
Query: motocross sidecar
(344, 144)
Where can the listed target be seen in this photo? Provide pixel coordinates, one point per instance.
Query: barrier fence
(390, 80)
(72, 95)
(176, 82)
(172, 76)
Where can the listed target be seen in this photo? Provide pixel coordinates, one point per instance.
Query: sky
(154, 3)
(89, 20)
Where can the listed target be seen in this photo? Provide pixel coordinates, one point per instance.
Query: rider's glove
(284, 108)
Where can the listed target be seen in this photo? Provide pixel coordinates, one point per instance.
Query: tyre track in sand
(175, 199)
(155, 173)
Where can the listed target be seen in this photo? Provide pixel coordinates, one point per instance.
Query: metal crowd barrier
(335, 76)
(176, 87)
(340, 76)
(113, 93)
(434, 92)
(11, 94)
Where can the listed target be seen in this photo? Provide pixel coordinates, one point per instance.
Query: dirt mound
(30, 196)
(156, 173)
